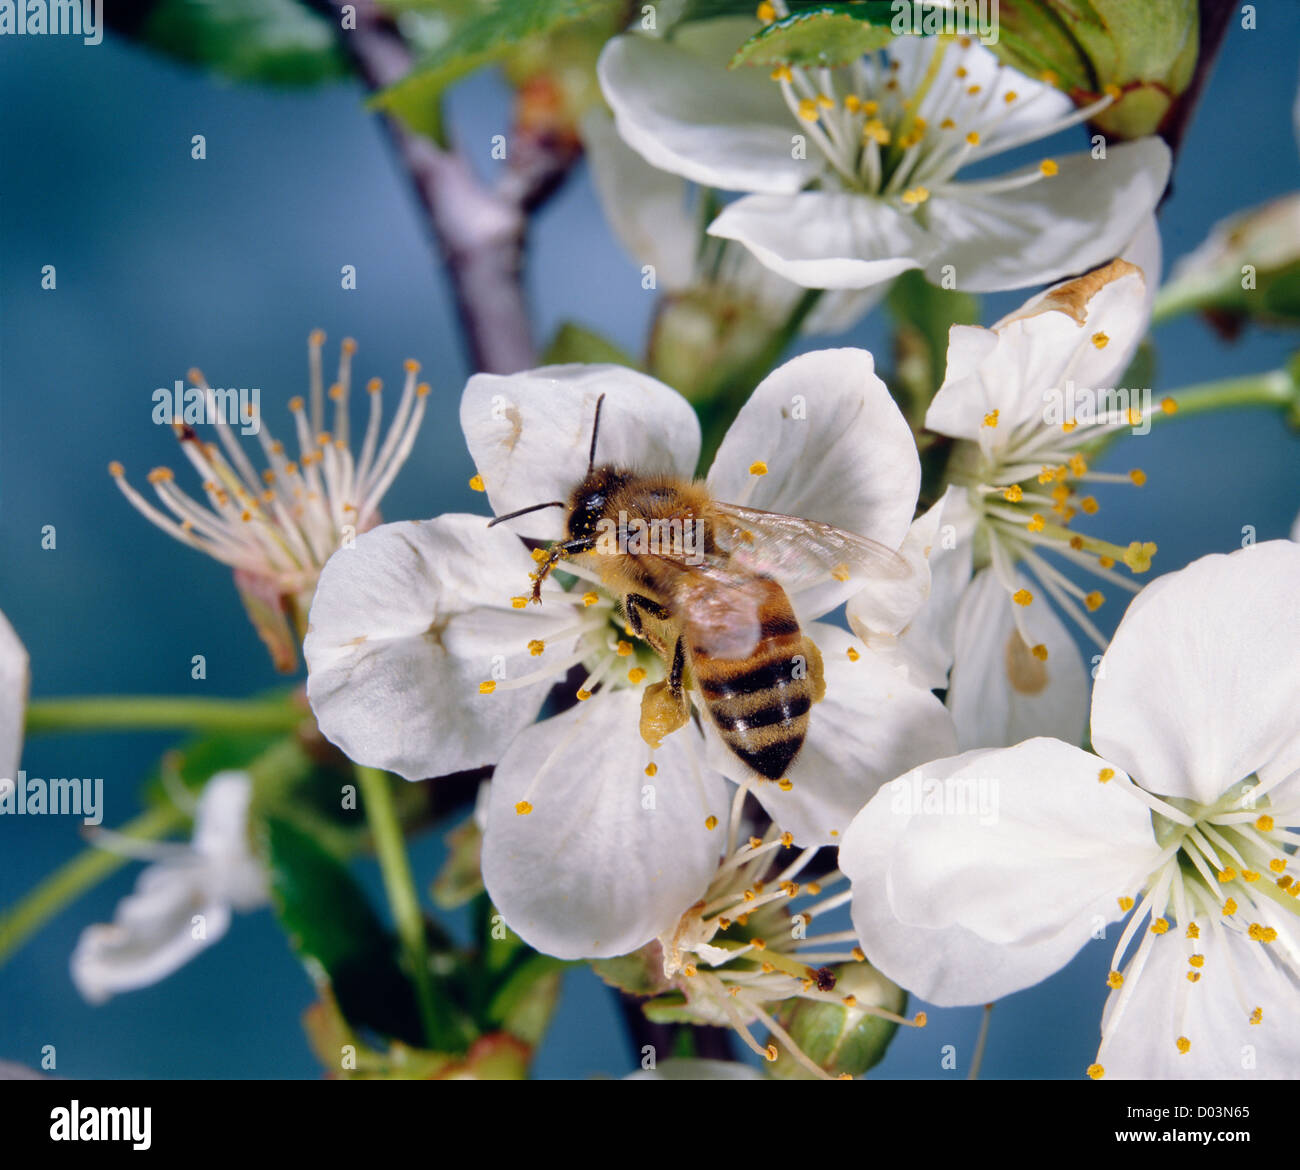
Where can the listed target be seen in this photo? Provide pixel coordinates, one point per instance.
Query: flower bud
(1147, 51)
(841, 1037)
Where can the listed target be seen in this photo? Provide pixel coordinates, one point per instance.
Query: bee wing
(718, 603)
(800, 553)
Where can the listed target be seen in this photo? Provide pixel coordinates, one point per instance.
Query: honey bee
(704, 583)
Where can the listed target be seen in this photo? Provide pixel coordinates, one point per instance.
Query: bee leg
(634, 604)
(816, 671)
(664, 706)
(558, 551)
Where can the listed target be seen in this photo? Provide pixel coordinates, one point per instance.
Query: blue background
(165, 262)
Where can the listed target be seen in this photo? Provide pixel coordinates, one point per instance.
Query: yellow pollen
(651, 768)
(336, 392)
(991, 419)
(771, 1052)
(116, 470)
(374, 386)
(755, 842)
(1193, 976)
(519, 602)
(1094, 600)
(1039, 651)
(758, 467)
(523, 808)
(583, 696)
(859, 954)
(710, 823)
(915, 195)
(411, 366)
(1134, 416)
(1048, 167)
(1264, 823)
(1096, 1072)
(1138, 556)
(1169, 406)
(590, 598)
(808, 110)
(841, 572)
(1249, 875)
(785, 784)
(1114, 980)
(1183, 1044)
(1089, 504)
(1262, 933)
(690, 970)
(1067, 427)
(1078, 465)
(723, 923)
(1015, 493)
(1159, 926)
(1049, 77)
(1278, 864)
(973, 90)
(1010, 96)
(850, 1001)
(1227, 875)
(1104, 562)
(1100, 340)
(1284, 882)
(787, 840)
(476, 483)
(161, 475)
(766, 12)
(1196, 960)
(1138, 476)
(1102, 776)
(973, 138)
(538, 555)
(536, 647)
(853, 654)
(826, 103)
(1022, 597)
(1230, 907)
(1257, 1016)
(870, 108)
(782, 73)
(852, 103)
(920, 1019)
(1113, 92)
(623, 649)
(295, 403)
(765, 966)
(814, 888)
(486, 688)
(316, 337)
(961, 73)
(636, 674)
(877, 131)
(1193, 931)
(1036, 523)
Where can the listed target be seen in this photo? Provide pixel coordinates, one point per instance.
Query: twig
(480, 230)
(1213, 27)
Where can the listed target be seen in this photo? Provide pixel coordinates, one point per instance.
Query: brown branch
(480, 230)
(1213, 27)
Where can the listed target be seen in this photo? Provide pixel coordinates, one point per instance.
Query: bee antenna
(525, 511)
(595, 430)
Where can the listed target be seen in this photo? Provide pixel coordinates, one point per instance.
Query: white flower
(851, 174)
(182, 903)
(693, 1069)
(745, 948)
(421, 660)
(276, 528)
(15, 680)
(1023, 401)
(1187, 816)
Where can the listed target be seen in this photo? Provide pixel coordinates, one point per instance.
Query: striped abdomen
(760, 703)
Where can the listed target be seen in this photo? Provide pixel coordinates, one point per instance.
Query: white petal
(152, 933)
(1075, 220)
(1031, 366)
(529, 434)
(1200, 681)
(1295, 529)
(15, 679)
(837, 310)
(976, 876)
(608, 858)
(1000, 693)
(406, 625)
(871, 726)
(1224, 1044)
(676, 103)
(837, 450)
(826, 239)
(233, 872)
(645, 207)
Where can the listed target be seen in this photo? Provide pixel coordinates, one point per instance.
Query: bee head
(589, 501)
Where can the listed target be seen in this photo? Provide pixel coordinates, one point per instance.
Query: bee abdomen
(760, 704)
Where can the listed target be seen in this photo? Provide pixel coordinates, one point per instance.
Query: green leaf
(480, 39)
(828, 34)
(577, 343)
(923, 314)
(334, 930)
(276, 41)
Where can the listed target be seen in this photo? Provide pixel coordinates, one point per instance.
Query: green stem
(70, 881)
(1274, 388)
(402, 898)
(1184, 296)
(148, 712)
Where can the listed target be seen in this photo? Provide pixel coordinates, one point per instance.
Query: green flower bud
(841, 1037)
(1144, 53)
